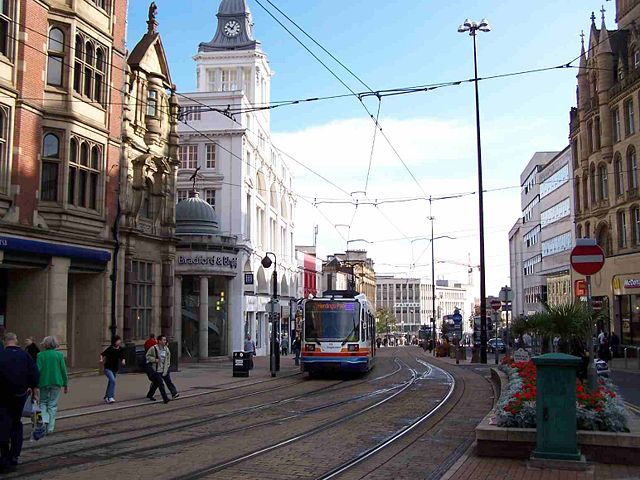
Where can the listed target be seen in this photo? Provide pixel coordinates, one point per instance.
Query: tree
(385, 320)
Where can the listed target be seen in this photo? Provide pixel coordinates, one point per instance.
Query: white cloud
(441, 154)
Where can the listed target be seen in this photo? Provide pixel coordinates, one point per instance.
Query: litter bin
(241, 364)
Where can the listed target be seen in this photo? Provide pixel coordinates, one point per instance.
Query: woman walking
(53, 377)
(112, 358)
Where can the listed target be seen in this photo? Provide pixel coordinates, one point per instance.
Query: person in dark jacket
(18, 376)
(31, 348)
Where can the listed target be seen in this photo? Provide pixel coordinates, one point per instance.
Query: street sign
(587, 258)
(506, 294)
(496, 305)
(457, 319)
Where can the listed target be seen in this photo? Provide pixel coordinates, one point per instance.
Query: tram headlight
(353, 347)
(309, 347)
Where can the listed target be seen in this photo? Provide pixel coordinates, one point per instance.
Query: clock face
(232, 28)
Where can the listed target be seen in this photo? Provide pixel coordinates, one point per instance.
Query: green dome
(194, 216)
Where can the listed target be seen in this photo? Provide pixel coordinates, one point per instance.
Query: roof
(149, 55)
(194, 216)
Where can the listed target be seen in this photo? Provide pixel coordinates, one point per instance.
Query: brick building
(61, 73)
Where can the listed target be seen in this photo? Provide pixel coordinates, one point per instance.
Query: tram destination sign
(210, 262)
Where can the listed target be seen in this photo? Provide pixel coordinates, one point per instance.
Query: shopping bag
(38, 428)
(30, 407)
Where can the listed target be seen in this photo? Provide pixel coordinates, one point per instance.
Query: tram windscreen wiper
(353, 330)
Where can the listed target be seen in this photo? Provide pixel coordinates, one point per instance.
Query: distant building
(409, 300)
(309, 272)
(355, 267)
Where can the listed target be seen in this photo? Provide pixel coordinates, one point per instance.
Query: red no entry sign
(496, 305)
(587, 258)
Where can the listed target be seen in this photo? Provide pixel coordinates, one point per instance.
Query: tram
(338, 333)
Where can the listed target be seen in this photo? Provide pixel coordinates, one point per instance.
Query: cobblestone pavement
(293, 428)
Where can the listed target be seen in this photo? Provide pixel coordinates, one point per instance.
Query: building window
(50, 168)
(635, 218)
(211, 155)
(555, 181)
(6, 22)
(592, 184)
(90, 69)
(152, 103)
(603, 182)
(557, 244)
(248, 164)
(622, 229)
(590, 136)
(587, 230)
(615, 124)
(55, 57)
(146, 209)
(103, 4)
(190, 113)
(596, 133)
(5, 122)
(579, 231)
(632, 167)
(577, 195)
(142, 298)
(188, 156)
(210, 197)
(629, 124)
(636, 59)
(555, 213)
(85, 164)
(182, 195)
(619, 177)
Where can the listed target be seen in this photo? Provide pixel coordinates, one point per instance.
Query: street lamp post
(473, 28)
(274, 356)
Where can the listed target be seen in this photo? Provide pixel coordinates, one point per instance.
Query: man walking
(250, 346)
(296, 349)
(18, 376)
(158, 362)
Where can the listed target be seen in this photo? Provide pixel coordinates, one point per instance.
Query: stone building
(604, 141)
(239, 172)
(358, 269)
(147, 182)
(61, 76)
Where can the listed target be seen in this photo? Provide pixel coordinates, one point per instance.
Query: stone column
(57, 297)
(236, 315)
(166, 300)
(127, 320)
(203, 324)
(177, 312)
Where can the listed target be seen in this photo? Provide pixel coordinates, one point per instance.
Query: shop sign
(521, 355)
(626, 284)
(631, 283)
(581, 288)
(211, 262)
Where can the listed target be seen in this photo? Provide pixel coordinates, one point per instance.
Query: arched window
(88, 71)
(632, 169)
(596, 134)
(100, 64)
(592, 184)
(617, 172)
(574, 153)
(635, 224)
(77, 69)
(622, 228)
(50, 168)
(85, 163)
(578, 231)
(587, 230)
(603, 182)
(55, 57)
(585, 191)
(577, 194)
(73, 171)
(5, 115)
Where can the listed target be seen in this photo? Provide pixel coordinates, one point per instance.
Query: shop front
(49, 288)
(626, 289)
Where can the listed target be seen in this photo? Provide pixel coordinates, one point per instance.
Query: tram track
(217, 467)
(75, 457)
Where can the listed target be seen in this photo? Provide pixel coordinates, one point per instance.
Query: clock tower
(235, 28)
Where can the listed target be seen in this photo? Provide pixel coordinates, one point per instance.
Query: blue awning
(13, 244)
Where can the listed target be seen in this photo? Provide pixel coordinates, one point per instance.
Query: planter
(519, 443)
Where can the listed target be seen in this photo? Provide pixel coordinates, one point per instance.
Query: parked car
(496, 344)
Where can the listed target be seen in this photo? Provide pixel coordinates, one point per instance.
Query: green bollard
(556, 432)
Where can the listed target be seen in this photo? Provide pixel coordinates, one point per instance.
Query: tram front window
(334, 321)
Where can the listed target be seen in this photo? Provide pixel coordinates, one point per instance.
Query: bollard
(626, 359)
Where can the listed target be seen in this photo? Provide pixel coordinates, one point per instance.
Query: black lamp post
(274, 356)
(473, 27)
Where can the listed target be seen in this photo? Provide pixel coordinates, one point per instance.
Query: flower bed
(602, 410)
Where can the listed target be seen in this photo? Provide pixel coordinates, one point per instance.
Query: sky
(399, 44)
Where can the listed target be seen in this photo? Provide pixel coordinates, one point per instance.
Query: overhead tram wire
(373, 144)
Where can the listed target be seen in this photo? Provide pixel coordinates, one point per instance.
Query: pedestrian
(53, 377)
(31, 348)
(284, 344)
(604, 352)
(250, 347)
(151, 341)
(296, 349)
(112, 358)
(615, 345)
(158, 363)
(19, 376)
